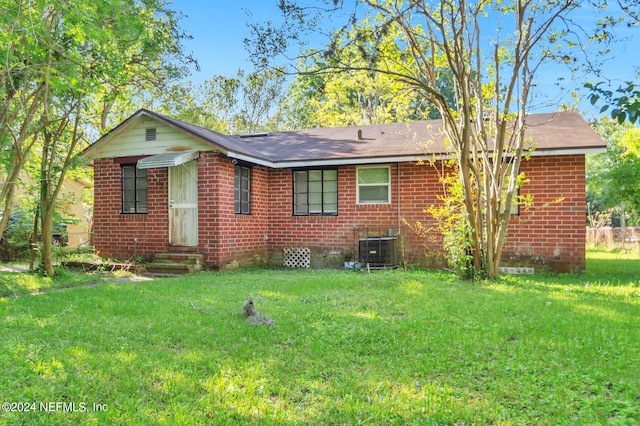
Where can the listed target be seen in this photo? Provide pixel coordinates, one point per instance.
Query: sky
(218, 28)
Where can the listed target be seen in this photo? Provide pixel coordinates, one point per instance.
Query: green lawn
(20, 284)
(393, 347)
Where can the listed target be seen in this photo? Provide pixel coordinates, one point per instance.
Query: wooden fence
(609, 237)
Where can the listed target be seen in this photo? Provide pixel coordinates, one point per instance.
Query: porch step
(175, 263)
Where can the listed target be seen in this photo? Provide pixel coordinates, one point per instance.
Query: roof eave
(288, 164)
(567, 151)
(357, 161)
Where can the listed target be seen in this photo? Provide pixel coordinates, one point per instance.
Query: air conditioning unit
(379, 252)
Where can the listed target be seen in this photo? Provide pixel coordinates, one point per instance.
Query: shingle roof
(550, 133)
(557, 131)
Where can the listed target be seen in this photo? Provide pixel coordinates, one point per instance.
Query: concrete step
(172, 268)
(187, 258)
(175, 263)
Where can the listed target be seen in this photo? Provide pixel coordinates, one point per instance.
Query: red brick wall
(333, 239)
(227, 238)
(223, 236)
(120, 235)
(549, 234)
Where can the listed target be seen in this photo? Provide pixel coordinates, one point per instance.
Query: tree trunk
(47, 241)
(8, 191)
(34, 241)
(58, 150)
(6, 211)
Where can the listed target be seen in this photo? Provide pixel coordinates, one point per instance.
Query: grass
(20, 284)
(394, 347)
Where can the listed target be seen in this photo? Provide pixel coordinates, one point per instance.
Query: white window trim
(358, 202)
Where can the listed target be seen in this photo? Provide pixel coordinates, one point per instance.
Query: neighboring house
(70, 205)
(321, 196)
(73, 206)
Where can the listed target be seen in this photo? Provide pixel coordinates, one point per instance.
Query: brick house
(320, 196)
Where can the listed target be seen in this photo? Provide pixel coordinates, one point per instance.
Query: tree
(491, 51)
(613, 178)
(232, 105)
(23, 88)
(624, 100)
(65, 59)
(354, 96)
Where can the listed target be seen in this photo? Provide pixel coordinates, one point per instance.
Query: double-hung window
(315, 192)
(242, 190)
(374, 185)
(134, 189)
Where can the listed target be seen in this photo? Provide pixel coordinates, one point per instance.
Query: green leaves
(613, 178)
(66, 62)
(362, 78)
(625, 101)
(233, 105)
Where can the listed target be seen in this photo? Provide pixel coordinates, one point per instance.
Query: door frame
(183, 204)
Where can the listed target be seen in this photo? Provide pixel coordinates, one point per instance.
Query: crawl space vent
(515, 271)
(150, 135)
(297, 257)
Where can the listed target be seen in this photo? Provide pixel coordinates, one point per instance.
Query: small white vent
(297, 257)
(150, 134)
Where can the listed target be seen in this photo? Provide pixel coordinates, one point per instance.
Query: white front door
(183, 204)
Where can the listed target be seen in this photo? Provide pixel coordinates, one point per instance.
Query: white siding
(131, 141)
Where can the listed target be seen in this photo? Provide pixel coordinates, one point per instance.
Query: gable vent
(150, 134)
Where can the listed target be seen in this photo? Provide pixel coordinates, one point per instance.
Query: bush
(16, 241)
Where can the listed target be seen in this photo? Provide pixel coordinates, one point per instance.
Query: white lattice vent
(515, 271)
(297, 257)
